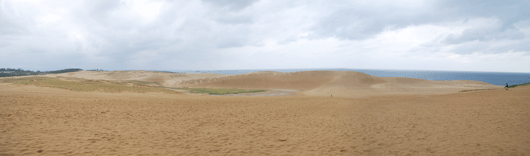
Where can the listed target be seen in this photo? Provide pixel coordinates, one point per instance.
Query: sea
(496, 78)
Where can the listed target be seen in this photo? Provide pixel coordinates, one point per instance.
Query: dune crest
(338, 83)
(312, 83)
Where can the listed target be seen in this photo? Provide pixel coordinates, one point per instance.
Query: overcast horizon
(438, 35)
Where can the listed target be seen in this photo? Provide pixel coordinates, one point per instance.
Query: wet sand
(47, 121)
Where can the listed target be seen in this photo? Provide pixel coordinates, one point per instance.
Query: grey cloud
(231, 42)
(489, 48)
(198, 34)
(358, 22)
(229, 12)
(477, 34)
(348, 24)
(231, 4)
(234, 19)
(506, 10)
(354, 22)
(475, 46)
(287, 40)
(10, 24)
(101, 9)
(519, 46)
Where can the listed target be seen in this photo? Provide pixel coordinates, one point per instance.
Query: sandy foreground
(49, 121)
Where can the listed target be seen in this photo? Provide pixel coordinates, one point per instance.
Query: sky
(447, 35)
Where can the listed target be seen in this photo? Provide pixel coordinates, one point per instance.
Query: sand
(49, 121)
(166, 79)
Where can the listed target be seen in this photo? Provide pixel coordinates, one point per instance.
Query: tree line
(8, 72)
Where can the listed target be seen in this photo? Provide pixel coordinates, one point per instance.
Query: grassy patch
(90, 85)
(474, 90)
(138, 83)
(517, 85)
(220, 91)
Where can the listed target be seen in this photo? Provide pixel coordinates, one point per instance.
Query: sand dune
(166, 79)
(338, 83)
(267, 80)
(312, 83)
(48, 121)
(367, 116)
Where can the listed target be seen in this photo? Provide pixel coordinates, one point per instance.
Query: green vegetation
(474, 90)
(137, 83)
(512, 86)
(220, 91)
(517, 85)
(96, 70)
(8, 72)
(77, 84)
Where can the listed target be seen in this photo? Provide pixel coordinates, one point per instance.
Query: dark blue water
(496, 78)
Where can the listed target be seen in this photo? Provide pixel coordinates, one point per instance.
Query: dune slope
(343, 83)
(313, 83)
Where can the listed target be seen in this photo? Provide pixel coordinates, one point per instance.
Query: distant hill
(8, 72)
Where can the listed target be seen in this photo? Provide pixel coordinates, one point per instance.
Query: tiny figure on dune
(506, 86)
(331, 95)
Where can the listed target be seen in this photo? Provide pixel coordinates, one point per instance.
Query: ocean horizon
(495, 78)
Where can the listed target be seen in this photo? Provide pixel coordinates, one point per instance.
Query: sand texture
(430, 118)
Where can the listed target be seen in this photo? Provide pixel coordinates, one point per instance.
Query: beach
(367, 115)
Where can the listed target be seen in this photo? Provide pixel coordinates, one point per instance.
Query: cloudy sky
(453, 35)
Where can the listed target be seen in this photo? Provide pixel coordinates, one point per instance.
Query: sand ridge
(164, 78)
(338, 83)
(311, 83)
